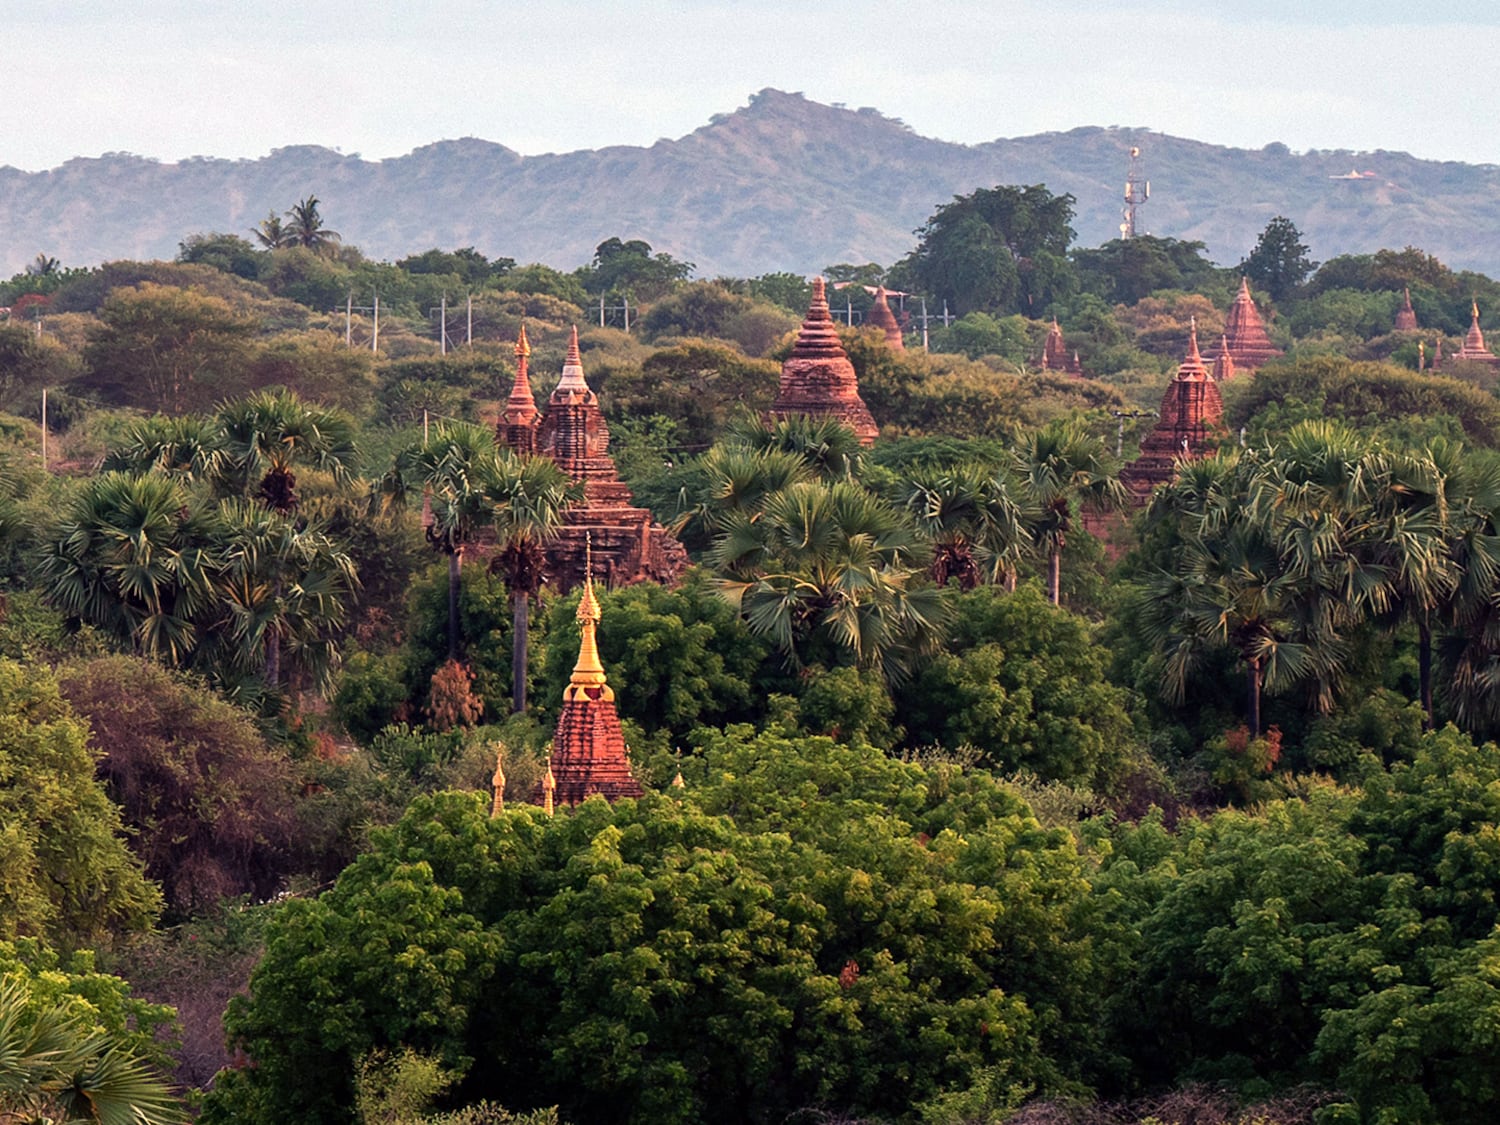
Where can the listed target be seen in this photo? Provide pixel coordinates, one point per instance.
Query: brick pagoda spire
(588, 750)
(1192, 415)
(1474, 349)
(1055, 354)
(817, 379)
(631, 545)
(1406, 316)
(1245, 333)
(881, 317)
(1223, 361)
(518, 421)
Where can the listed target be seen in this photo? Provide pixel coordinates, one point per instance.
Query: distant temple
(1245, 336)
(1406, 316)
(817, 379)
(1055, 356)
(588, 750)
(632, 547)
(1223, 361)
(881, 317)
(1473, 349)
(1192, 417)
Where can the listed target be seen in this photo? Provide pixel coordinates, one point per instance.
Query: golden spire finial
(523, 345)
(549, 787)
(588, 673)
(1475, 303)
(498, 781)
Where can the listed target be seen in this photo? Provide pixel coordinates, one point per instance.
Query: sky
(176, 78)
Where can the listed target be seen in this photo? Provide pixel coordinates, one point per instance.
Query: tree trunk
(455, 577)
(1424, 670)
(1054, 575)
(520, 616)
(273, 651)
(1252, 677)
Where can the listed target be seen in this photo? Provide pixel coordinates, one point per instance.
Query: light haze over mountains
(783, 184)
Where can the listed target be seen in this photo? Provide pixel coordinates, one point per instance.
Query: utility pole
(1137, 191)
(469, 334)
(375, 331)
(44, 426)
(1120, 416)
(349, 321)
(946, 318)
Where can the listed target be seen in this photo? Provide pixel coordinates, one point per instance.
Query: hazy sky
(173, 78)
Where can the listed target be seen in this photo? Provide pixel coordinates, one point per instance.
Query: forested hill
(785, 183)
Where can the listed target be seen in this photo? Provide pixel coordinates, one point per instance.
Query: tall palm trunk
(1424, 669)
(273, 651)
(1054, 574)
(455, 577)
(1252, 705)
(520, 618)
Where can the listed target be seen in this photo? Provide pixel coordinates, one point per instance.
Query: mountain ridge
(780, 183)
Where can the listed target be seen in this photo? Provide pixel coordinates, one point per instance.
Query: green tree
(1279, 262)
(630, 268)
(265, 436)
(164, 348)
(227, 252)
(68, 874)
(977, 525)
(997, 250)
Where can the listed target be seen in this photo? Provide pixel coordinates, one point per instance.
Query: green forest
(1000, 800)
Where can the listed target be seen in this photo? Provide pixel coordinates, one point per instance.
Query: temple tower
(518, 421)
(1055, 354)
(1245, 333)
(1223, 361)
(1406, 316)
(588, 750)
(881, 317)
(1474, 349)
(631, 546)
(817, 379)
(1192, 417)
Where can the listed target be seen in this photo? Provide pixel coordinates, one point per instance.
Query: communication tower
(1137, 191)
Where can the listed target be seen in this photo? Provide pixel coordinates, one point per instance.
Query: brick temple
(589, 755)
(1191, 420)
(1055, 354)
(1223, 367)
(1473, 349)
(1406, 316)
(629, 544)
(881, 317)
(1245, 334)
(817, 379)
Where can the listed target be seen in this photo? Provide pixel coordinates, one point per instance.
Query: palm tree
(734, 479)
(306, 226)
(186, 448)
(282, 588)
(134, 558)
(527, 498)
(977, 528)
(1472, 652)
(830, 567)
(264, 436)
(52, 1067)
(272, 233)
(829, 448)
(451, 471)
(1060, 465)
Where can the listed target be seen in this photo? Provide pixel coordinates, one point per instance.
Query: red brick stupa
(1474, 349)
(1223, 362)
(881, 317)
(1192, 416)
(817, 379)
(631, 546)
(518, 420)
(1406, 316)
(588, 750)
(1245, 333)
(1055, 355)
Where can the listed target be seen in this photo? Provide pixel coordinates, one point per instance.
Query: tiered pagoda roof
(1192, 417)
(881, 317)
(817, 379)
(1055, 355)
(589, 755)
(1406, 316)
(1474, 349)
(631, 546)
(1245, 334)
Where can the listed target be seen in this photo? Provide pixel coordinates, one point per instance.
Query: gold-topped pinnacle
(523, 345)
(498, 782)
(549, 787)
(588, 673)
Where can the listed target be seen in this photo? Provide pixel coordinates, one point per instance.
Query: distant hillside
(783, 184)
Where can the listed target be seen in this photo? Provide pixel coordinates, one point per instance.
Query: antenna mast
(1137, 191)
